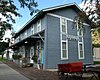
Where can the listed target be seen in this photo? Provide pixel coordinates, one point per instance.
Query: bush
(2, 59)
(96, 45)
(96, 62)
(34, 58)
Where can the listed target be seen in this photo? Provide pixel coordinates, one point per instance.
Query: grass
(2, 59)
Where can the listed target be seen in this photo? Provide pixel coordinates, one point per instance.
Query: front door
(31, 53)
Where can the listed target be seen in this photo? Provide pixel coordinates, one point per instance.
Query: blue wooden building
(51, 36)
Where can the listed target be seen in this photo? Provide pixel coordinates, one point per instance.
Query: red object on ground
(70, 67)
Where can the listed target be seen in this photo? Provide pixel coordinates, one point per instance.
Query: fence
(96, 52)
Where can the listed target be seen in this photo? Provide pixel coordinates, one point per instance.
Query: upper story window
(38, 25)
(63, 25)
(26, 33)
(80, 43)
(32, 29)
(64, 41)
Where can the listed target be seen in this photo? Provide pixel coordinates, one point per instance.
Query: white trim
(63, 40)
(62, 6)
(60, 38)
(54, 15)
(25, 33)
(41, 37)
(79, 50)
(79, 44)
(39, 25)
(31, 53)
(32, 29)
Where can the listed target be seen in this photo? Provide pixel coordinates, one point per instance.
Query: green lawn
(2, 59)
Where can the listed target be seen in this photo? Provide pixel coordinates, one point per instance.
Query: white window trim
(68, 19)
(79, 50)
(58, 16)
(26, 33)
(80, 43)
(39, 24)
(32, 29)
(63, 40)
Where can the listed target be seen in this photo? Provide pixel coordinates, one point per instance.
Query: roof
(43, 11)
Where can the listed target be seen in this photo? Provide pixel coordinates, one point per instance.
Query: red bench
(74, 67)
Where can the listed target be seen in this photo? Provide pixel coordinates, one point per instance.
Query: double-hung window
(38, 25)
(80, 43)
(32, 29)
(26, 33)
(64, 42)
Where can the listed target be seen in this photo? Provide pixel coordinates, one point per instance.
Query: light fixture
(26, 42)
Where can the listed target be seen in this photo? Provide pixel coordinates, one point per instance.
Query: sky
(21, 21)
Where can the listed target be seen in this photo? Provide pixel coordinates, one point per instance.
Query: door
(31, 53)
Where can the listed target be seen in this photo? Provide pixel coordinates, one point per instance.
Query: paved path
(7, 73)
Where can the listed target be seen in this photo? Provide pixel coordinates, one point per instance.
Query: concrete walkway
(7, 73)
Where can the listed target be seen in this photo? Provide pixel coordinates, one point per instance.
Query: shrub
(16, 56)
(35, 57)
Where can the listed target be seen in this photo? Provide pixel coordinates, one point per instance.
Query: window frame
(32, 29)
(39, 25)
(25, 33)
(66, 41)
(80, 42)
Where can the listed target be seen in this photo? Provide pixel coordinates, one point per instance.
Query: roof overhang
(29, 40)
(42, 13)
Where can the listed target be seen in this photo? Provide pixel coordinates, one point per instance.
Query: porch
(28, 47)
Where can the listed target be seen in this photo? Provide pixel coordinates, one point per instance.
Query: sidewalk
(7, 73)
(33, 73)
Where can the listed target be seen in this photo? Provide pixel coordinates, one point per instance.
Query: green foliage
(90, 14)
(3, 46)
(2, 59)
(7, 8)
(16, 57)
(96, 45)
(35, 57)
(96, 62)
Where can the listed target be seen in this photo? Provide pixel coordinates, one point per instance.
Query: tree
(91, 13)
(8, 8)
(3, 46)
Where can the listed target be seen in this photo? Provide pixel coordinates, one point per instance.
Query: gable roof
(43, 11)
(62, 6)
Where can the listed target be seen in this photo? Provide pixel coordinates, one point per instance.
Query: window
(80, 32)
(38, 25)
(63, 25)
(81, 55)
(25, 33)
(64, 50)
(32, 29)
(64, 42)
(80, 43)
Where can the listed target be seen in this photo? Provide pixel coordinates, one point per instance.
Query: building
(51, 36)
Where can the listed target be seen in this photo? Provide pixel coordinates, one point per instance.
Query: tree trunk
(2, 56)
